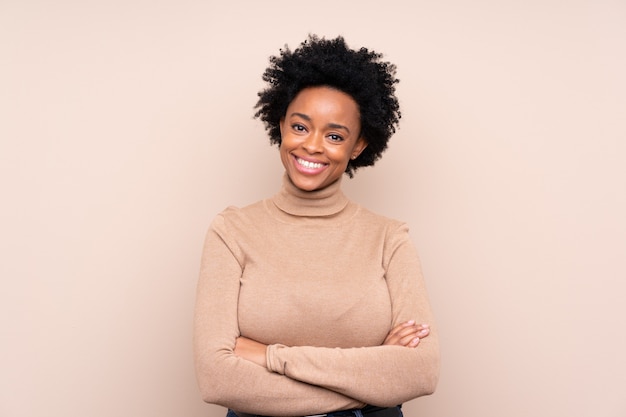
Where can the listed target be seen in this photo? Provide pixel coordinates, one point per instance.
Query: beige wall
(126, 125)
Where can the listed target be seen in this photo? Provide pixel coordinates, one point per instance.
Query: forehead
(324, 101)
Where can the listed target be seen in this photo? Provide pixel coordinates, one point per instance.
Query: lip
(308, 170)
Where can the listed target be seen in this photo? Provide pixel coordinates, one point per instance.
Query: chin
(305, 184)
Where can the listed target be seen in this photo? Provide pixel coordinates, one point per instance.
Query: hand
(407, 334)
(251, 350)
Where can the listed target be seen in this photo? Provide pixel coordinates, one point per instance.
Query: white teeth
(308, 164)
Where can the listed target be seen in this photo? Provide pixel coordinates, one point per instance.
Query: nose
(313, 143)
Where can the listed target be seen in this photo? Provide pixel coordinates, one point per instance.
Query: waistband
(367, 411)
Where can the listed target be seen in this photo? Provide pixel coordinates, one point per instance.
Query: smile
(308, 164)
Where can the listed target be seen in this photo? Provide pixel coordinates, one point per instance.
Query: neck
(323, 202)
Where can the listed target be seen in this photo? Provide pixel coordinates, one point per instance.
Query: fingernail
(416, 340)
(410, 322)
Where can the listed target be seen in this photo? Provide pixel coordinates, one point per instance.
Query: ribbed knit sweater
(321, 281)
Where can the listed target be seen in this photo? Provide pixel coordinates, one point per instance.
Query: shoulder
(233, 217)
(390, 232)
(389, 224)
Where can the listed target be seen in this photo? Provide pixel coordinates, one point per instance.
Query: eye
(298, 127)
(335, 138)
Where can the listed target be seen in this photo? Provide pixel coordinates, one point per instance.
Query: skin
(320, 133)
(322, 126)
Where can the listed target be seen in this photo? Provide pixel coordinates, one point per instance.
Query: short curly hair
(359, 73)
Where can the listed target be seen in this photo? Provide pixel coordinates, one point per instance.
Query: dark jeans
(395, 411)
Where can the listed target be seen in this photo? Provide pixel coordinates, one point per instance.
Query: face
(320, 133)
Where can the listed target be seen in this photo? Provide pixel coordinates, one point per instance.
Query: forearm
(244, 386)
(381, 375)
(407, 362)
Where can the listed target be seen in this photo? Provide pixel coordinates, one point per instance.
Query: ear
(359, 147)
(280, 125)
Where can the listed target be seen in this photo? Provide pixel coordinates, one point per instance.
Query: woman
(308, 303)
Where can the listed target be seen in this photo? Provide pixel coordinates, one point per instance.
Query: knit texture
(321, 281)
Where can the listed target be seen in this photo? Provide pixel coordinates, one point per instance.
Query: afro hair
(359, 73)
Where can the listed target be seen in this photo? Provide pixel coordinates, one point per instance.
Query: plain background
(125, 126)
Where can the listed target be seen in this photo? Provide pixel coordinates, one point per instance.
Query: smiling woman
(308, 303)
(320, 135)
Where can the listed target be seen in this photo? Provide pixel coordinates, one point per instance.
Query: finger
(407, 331)
(423, 332)
(409, 341)
(401, 340)
(401, 326)
(414, 342)
(402, 334)
(397, 338)
(408, 335)
(410, 323)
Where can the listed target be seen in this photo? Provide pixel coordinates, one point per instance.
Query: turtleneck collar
(323, 202)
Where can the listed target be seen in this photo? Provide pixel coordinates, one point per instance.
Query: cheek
(284, 153)
(286, 139)
(339, 155)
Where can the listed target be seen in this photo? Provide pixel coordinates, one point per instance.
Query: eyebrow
(331, 125)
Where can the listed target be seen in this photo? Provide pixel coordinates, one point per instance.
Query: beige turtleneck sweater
(321, 281)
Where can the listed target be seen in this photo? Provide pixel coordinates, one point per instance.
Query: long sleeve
(381, 375)
(321, 281)
(224, 378)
